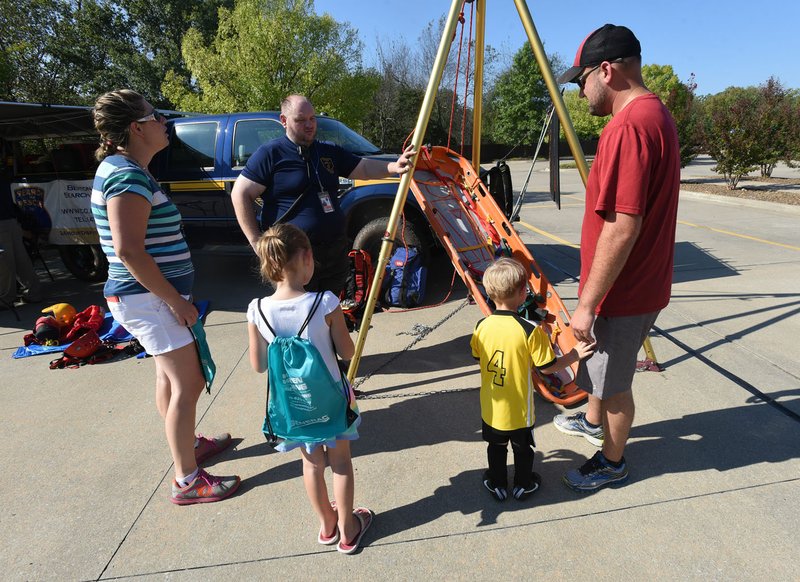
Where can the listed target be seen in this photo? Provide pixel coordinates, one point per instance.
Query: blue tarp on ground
(110, 330)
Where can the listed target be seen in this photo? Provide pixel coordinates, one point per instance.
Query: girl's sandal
(328, 540)
(364, 517)
(333, 538)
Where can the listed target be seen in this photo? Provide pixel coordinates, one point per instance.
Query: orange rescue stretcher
(474, 232)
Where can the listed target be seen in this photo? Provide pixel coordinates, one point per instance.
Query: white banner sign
(63, 206)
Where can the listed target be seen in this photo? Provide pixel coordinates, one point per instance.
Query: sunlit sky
(723, 43)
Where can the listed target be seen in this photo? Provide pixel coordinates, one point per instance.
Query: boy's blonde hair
(504, 278)
(277, 247)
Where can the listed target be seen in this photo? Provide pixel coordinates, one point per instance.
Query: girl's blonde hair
(504, 278)
(113, 113)
(277, 247)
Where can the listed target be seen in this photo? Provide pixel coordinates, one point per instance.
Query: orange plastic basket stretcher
(474, 232)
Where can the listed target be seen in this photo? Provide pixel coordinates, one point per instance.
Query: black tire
(370, 238)
(86, 262)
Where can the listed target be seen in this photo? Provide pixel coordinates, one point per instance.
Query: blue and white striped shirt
(164, 240)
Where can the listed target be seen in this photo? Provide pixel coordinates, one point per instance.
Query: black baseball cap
(607, 43)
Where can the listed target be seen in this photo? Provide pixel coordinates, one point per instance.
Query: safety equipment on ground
(90, 319)
(63, 313)
(79, 351)
(47, 331)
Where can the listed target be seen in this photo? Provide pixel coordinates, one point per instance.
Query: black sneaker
(499, 493)
(596, 473)
(522, 493)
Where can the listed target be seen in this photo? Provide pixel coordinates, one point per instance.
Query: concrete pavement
(713, 456)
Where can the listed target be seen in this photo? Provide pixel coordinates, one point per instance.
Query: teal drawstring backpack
(207, 365)
(304, 402)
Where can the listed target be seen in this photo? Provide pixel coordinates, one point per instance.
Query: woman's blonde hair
(277, 247)
(113, 113)
(504, 278)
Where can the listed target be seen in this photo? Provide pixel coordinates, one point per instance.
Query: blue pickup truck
(207, 152)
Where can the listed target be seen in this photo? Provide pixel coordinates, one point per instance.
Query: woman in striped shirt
(150, 280)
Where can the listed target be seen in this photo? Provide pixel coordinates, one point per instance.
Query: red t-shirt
(636, 171)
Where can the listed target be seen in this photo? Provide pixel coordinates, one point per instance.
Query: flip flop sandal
(329, 540)
(364, 517)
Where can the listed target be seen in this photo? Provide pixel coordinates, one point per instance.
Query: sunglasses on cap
(154, 115)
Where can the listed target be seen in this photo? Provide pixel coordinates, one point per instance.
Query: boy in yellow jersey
(507, 346)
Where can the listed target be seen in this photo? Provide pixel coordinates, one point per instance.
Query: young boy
(507, 346)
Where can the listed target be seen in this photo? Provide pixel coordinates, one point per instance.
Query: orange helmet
(63, 313)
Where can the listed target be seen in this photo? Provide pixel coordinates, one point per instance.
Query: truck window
(335, 131)
(193, 146)
(248, 134)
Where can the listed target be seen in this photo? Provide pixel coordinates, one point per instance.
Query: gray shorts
(609, 371)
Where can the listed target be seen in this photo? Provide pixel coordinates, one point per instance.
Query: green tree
(404, 71)
(97, 51)
(7, 74)
(59, 51)
(266, 49)
(159, 31)
(586, 125)
(519, 100)
(729, 132)
(777, 125)
(27, 28)
(679, 99)
(794, 130)
(397, 101)
(751, 128)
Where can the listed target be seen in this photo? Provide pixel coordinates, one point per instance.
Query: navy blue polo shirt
(278, 166)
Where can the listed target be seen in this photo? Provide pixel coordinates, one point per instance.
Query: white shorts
(150, 320)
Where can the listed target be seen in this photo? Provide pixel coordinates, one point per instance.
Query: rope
(466, 78)
(455, 84)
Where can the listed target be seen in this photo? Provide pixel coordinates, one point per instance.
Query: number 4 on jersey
(495, 366)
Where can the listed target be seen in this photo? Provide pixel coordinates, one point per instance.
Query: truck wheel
(370, 238)
(86, 262)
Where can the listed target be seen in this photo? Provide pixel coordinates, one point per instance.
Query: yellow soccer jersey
(507, 346)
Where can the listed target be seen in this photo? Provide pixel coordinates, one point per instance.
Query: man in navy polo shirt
(297, 178)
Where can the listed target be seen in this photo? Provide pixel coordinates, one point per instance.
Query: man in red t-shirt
(627, 243)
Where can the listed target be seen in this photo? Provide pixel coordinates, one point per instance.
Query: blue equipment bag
(404, 281)
(304, 402)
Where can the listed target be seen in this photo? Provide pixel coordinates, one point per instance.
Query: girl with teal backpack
(295, 337)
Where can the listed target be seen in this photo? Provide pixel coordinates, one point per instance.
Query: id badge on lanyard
(325, 200)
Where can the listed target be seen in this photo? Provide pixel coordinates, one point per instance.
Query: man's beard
(598, 106)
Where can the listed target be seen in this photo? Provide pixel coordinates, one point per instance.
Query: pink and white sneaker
(208, 447)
